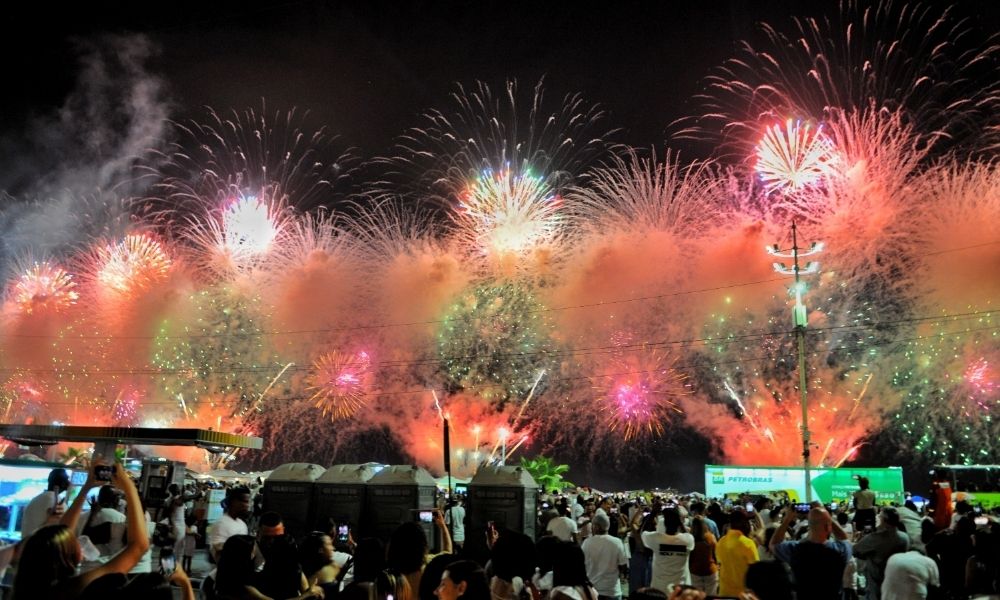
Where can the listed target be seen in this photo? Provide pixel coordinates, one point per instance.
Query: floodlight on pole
(800, 319)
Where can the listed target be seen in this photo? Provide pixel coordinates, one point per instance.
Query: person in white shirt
(605, 559)
(105, 525)
(562, 527)
(454, 518)
(145, 564)
(908, 575)
(237, 508)
(45, 506)
(670, 552)
(191, 536)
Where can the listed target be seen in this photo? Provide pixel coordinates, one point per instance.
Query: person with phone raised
(45, 508)
(49, 561)
(817, 561)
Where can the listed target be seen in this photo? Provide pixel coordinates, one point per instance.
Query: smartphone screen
(802, 507)
(749, 506)
(426, 516)
(167, 564)
(102, 473)
(343, 531)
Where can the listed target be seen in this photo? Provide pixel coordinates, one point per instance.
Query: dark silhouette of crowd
(588, 546)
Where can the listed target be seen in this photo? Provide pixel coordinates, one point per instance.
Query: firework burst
(136, 263)
(918, 59)
(493, 342)
(794, 156)
(22, 398)
(643, 194)
(274, 154)
(641, 395)
(43, 286)
(496, 131)
(338, 383)
(983, 392)
(506, 213)
(236, 238)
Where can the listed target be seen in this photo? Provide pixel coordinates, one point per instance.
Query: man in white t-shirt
(43, 506)
(908, 575)
(105, 515)
(237, 508)
(605, 559)
(454, 517)
(562, 527)
(105, 526)
(670, 552)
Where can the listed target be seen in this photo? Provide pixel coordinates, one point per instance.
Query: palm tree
(547, 475)
(75, 456)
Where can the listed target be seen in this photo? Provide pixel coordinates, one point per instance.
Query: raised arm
(838, 531)
(779, 534)
(138, 536)
(72, 516)
(446, 545)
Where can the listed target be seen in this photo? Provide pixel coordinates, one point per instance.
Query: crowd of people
(753, 547)
(588, 547)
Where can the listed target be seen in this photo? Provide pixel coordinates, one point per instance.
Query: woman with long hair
(236, 576)
(407, 552)
(569, 574)
(704, 569)
(49, 561)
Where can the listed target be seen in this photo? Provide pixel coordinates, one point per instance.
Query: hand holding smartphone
(168, 563)
(103, 472)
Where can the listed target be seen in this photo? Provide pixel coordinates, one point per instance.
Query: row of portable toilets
(373, 500)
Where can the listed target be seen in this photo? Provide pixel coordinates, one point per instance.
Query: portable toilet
(340, 495)
(505, 495)
(396, 494)
(289, 491)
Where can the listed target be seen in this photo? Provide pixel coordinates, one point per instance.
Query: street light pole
(800, 317)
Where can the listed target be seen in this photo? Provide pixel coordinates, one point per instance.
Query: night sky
(367, 69)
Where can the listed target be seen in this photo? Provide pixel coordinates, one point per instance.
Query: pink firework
(640, 398)
(125, 410)
(136, 263)
(794, 156)
(44, 286)
(983, 392)
(338, 383)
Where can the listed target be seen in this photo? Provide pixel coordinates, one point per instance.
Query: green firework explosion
(493, 342)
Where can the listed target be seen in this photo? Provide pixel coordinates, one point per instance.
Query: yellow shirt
(735, 553)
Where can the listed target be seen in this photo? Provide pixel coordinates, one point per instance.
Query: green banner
(829, 485)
